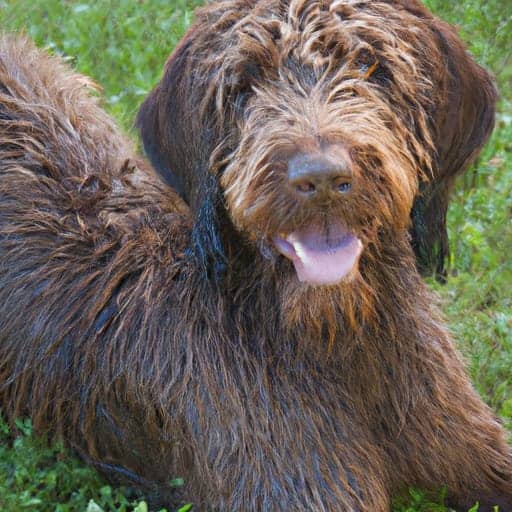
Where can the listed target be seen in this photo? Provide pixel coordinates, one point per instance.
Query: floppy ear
(179, 141)
(166, 123)
(463, 120)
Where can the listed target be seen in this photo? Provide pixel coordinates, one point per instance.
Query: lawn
(123, 45)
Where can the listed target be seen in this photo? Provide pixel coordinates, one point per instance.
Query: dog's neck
(330, 320)
(276, 328)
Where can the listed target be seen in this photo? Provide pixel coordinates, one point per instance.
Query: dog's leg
(476, 445)
(288, 455)
(314, 482)
(467, 450)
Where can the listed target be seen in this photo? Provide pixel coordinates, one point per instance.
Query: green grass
(123, 45)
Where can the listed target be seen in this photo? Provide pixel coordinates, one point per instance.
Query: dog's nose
(313, 175)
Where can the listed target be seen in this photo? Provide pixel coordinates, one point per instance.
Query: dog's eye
(366, 63)
(371, 69)
(344, 186)
(380, 75)
(241, 86)
(367, 70)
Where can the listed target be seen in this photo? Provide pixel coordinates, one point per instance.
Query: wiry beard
(325, 313)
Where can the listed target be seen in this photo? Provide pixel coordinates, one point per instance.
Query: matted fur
(161, 339)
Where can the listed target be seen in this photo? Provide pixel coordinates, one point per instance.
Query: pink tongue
(321, 256)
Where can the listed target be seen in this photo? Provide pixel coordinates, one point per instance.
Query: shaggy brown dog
(275, 344)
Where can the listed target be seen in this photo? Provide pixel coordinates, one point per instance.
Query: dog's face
(319, 121)
(332, 132)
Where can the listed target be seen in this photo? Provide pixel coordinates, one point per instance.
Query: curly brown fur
(161, 339)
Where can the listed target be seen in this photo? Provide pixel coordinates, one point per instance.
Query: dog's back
(76, 206)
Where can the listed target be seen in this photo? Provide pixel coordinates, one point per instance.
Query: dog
(251, 317)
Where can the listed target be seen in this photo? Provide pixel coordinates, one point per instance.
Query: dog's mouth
(322, 255)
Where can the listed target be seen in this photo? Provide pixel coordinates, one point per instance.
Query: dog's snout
(313, 175)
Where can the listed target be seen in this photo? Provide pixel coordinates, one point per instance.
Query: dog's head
(320, 126)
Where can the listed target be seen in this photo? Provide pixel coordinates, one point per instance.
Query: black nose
(320, 174)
